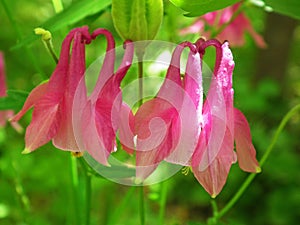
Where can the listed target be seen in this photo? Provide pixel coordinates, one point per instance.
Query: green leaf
(201, 7)
(74, 13)
(14, 100)
(137, 20)
(288, 7)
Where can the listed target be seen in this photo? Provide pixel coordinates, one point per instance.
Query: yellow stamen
(185, 170)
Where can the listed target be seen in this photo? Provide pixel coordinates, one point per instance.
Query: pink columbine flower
(233, 32)
(222, 126)
(52, 101)
(97, 118)
(5, 114)
(165, 125)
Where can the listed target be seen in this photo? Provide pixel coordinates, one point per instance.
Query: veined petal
(214, 177)
(245, 150)
(35, 95)
(44, 123)
(107, 69)
(190, 112)
(93, 141)
(155, 127)
(65, 139)
(126, 129)
(171, 88)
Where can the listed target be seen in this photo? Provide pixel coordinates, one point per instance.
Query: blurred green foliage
(35, 189)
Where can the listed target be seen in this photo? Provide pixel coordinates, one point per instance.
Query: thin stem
(162, 202)
(142, 205)
(140, 77)
(140, 57)
(88, 188)
(47, 40)
(75, 187)
(50, 48)
(250, 178)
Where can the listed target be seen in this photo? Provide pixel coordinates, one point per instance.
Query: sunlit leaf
(74, 13)
(200, 7)
(288, 7)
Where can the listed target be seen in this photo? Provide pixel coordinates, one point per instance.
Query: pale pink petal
(35, 95)
(172, 86)
(101, 116)
(154, 126)
(190, 112)
(126, 129)
(245, 150)
(44, 124)
(259, 40)
(93, 140)
(195, 28)
(214, 177)
(64, 139)
(107, 69)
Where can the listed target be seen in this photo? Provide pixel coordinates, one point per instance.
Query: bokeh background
(35, 189)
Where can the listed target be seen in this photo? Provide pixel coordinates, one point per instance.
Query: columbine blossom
(97, 118)
(5, 114)
(159, 125)
(52, 101)
(222, 126)
(234, 30)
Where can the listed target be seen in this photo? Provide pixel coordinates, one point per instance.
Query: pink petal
(126, 129)
(35, 95)
(214, 177)
(101, 117)
(44, 123)
(190, 112)
(64, 139)
(246, 153)
(93, 140)
(107, 69)
(154, 123)
(196, 28)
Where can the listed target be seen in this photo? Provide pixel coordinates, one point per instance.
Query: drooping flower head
(222, 126)
(97, 118)
(236, 22)
(164, 126)
(52, 101)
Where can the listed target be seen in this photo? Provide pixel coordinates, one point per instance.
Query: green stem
(75, 187)
(88, 187)
(140, 77)
(250, 178)
(142, 205)
(163, 201)
(50, 48)
(140, 57)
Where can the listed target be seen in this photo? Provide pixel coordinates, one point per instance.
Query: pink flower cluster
(236, 25)
(178, 125)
